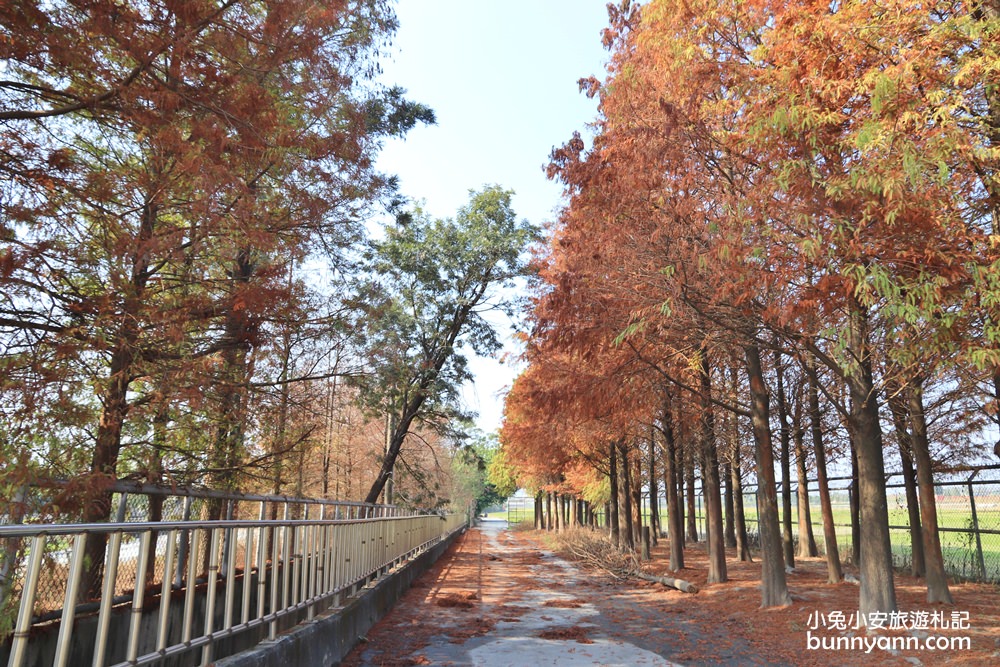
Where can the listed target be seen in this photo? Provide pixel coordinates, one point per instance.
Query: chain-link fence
(968, 512)
(520, 508)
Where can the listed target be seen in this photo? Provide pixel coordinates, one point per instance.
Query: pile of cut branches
(596, 551)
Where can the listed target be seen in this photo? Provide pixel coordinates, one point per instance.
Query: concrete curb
(327, 639)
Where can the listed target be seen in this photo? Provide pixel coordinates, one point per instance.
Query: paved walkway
(497, 599)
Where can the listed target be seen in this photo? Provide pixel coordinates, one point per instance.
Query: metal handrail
(184, 491)
(253, 574)
(30, 530)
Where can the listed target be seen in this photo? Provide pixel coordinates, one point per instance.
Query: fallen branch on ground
(679, 584)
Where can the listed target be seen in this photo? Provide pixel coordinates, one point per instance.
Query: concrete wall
(326, 640)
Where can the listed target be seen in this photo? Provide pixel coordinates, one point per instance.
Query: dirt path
(498, 599)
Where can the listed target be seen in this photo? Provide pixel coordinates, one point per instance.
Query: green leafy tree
(501, 474)
(433, 281)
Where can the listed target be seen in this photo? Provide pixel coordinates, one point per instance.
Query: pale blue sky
(502, 78)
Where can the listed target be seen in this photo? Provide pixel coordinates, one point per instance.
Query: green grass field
(958, 541)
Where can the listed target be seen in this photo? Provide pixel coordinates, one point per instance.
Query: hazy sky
(501, 75)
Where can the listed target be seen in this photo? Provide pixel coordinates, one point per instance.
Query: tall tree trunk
(329, 435)
(691, 514)
(678, 463)
(730, 527)
(635, 486)
(807, 541)
(786, 471)
(625, 497)
(989, 10)
(878, 591)
(713, 493)
(613, 524)
(549, 520)
(279, 450)
(654, 491)
(833, 569)
(774, 586)
(557, 507)
(937, 581)
(415, 399)
(675, 521)
(897, 406)
(155, 474)
(742, 539)
(114, 403)
(539, 516)
(855, 508)
(227, 452)
(736, 480)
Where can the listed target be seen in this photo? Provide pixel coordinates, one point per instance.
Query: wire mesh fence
(968, 512)
(967, 502)
(520, 509)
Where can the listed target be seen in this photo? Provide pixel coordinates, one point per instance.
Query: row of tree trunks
(559, 512)
(802, 415)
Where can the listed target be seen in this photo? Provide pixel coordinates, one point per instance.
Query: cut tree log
(679, 584)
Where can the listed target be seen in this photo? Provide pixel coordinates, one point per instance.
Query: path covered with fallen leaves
(500, 597)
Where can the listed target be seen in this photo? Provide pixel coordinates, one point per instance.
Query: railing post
(272, 631)
(286, 560)
(189, 586)
(266, 536)
(229, 575)
(107, 596)
(213, 573)
(138, 596)
(182, 550)
(69, 604)
(168, 565)
(19, 645)
(122, 507)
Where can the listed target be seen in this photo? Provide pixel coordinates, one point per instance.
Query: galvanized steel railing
(229, 577)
